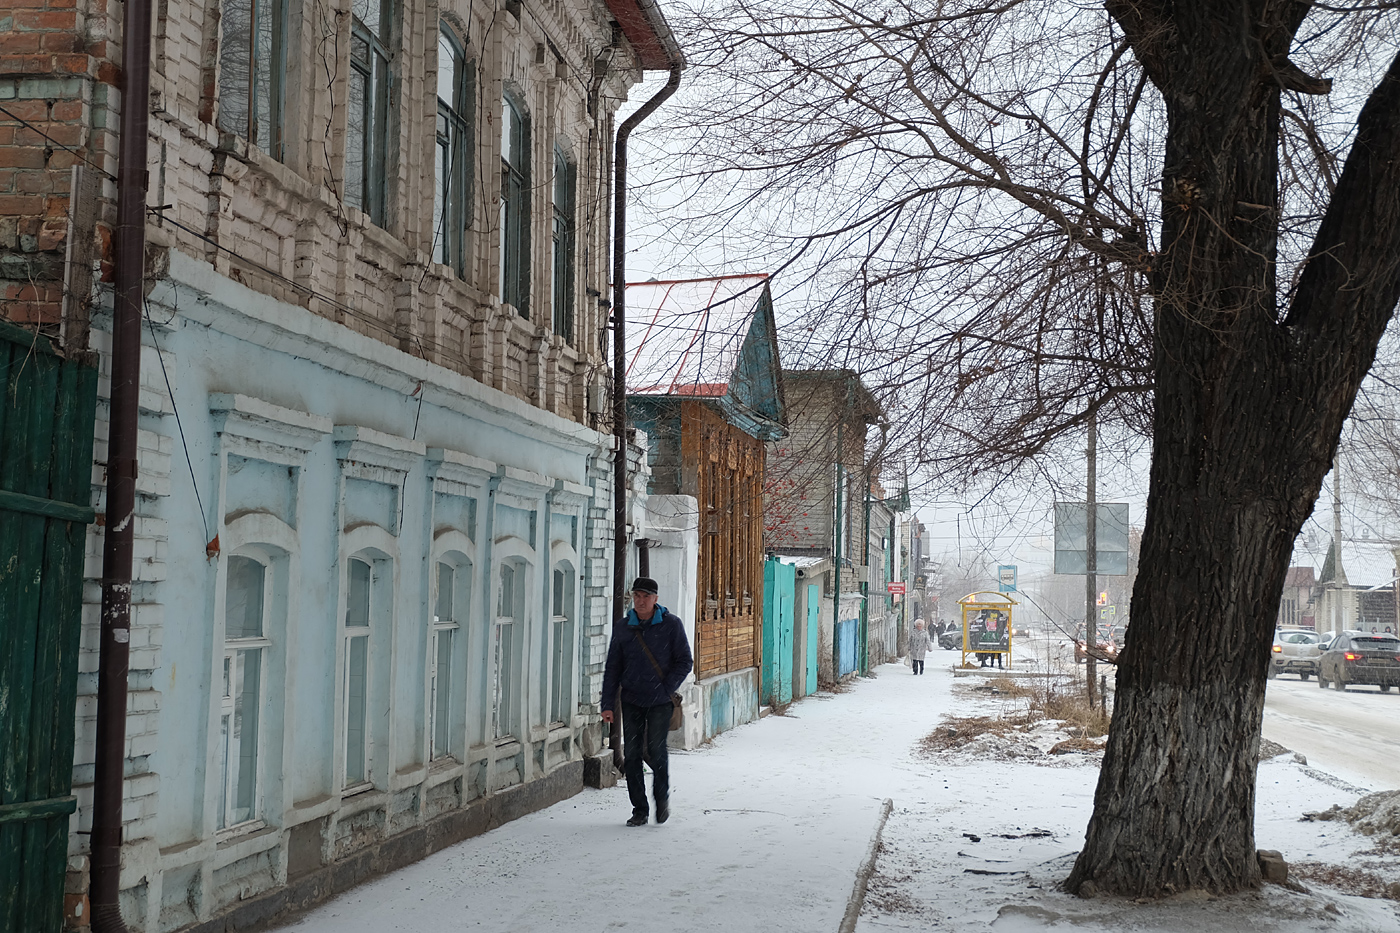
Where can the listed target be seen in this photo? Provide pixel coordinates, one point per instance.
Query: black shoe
(663, 812)
(638, 819)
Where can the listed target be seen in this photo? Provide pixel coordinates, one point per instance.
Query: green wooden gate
(46, 424)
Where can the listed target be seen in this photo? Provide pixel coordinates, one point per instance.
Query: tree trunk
(1249, 408)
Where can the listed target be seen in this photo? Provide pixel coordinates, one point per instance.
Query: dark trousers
(918, 666)
(644, 728)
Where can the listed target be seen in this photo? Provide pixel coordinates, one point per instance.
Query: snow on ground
(771, 822)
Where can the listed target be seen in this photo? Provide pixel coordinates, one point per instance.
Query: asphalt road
(1354, 734)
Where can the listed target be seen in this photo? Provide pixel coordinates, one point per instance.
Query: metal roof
(1368, 563)
(688, 333)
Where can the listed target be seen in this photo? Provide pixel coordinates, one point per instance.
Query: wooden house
(705, 384)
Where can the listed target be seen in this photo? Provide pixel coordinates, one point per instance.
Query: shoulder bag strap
(660, 674)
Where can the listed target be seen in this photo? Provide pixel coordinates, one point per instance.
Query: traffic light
(1103, 598)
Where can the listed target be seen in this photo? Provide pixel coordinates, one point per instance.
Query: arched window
(451, 597)
(368, 582)
(562, 270)
(562, 644)
(246, 601)
(515, 206)
(508, 644)
(453, 160)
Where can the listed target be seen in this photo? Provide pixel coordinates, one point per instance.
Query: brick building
(824, 507)
(374, 534)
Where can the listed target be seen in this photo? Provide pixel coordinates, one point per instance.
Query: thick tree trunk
(1249, 408)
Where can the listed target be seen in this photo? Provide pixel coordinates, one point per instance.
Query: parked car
(1360, 659)
(950, 639)
(1295, 651)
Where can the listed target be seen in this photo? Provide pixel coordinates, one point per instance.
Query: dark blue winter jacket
(628, 665)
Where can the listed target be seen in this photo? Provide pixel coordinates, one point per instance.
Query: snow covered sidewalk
(771, 822)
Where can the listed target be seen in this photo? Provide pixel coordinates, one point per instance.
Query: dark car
(1360, 659)
(950, 639)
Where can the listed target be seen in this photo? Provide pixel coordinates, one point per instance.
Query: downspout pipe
(869, 475)
(619, 316)
(115, 631)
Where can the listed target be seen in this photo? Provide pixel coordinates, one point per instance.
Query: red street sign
(895, 589)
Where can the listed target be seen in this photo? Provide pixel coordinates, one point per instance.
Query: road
(1354, 734)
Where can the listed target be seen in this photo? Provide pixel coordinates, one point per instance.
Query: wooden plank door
(46, 423)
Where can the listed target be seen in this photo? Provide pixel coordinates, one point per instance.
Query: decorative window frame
(571, 500)
(363, 453)
(454, 473)
(250, 427)
(526, 491)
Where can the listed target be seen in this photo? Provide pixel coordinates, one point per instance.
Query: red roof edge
(646, 38)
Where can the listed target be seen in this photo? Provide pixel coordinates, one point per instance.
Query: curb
(867, 868)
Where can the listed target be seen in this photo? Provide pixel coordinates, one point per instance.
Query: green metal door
(46, 426)
(779, 581)
(813, 635)
(786, 635)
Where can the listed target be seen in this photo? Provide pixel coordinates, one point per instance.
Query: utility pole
(1091, 567)
(1339, 612)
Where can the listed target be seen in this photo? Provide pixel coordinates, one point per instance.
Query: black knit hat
(645, 585)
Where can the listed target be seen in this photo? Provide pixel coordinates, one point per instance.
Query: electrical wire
(81, 156)
(189, 462)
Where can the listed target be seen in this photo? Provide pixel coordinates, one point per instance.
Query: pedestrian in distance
(648, 659)
(918, 646)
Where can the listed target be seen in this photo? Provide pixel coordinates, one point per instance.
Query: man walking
(648, 659)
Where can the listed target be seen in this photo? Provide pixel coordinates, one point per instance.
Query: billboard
(1071, 530)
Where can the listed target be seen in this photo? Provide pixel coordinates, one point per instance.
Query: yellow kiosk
(986, 624)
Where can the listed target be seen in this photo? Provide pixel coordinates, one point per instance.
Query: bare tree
(1010, 214)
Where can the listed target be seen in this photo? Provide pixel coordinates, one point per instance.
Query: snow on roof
(1368, 563)
(689, 333)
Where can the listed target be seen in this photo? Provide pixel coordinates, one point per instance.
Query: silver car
(1295, 651)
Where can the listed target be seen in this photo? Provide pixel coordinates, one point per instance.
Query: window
(252, 69)
(562, 272)
(444, 635)
(452, 198)
(515, 207)
(245, 641)
(562, 645)
(359, 611)
(510, 606)
(367, 121)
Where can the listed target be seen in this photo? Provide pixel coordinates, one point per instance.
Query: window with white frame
(515, 206)
(360, 612)
(453, 158)
(561, 644)
(252, 71)
(509, 636)
(241, 700)
(370, 99)
(452, 580)
(562, 269)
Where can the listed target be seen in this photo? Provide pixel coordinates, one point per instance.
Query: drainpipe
(619, 314)
(115, 641)
(836, 590)
(868, 475)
